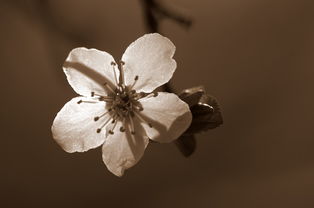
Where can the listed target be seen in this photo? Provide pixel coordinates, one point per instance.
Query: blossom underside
(117, 106)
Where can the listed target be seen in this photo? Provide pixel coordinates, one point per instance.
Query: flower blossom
(118, 107)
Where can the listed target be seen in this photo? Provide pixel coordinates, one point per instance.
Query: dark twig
(154, 12)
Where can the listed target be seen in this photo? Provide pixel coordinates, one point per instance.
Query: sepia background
(255, 56)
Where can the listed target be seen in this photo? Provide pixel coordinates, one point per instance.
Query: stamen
(121, 78)
(137, 96)
(153, 94)
(135, 80)
(122, 129)
(101, 97)
(85, 101)
(106, 98)
(111, 131)
(103, 125)
(132, 124)
(96, 118)
(142, 120)
(113, 64)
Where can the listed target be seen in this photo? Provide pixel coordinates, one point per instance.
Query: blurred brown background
(256, 57)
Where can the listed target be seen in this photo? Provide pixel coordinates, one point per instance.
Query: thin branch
(154, 12)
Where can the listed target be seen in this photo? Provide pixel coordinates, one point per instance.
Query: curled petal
(123, 150)
(74, 128)
(149, 58)
(166, 117)
(87, 71)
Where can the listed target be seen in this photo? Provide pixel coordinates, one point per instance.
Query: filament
(96, 118)
(103, 125)
(113, 64)
(121, 78)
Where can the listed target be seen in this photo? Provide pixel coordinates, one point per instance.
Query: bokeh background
(256, 57)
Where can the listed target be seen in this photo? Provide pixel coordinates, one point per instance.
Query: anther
(113, 63)
(96, 118)
(111, 131)
(150, 125)
(135, 80)
(122, 62)
(122, 129)
(98, 130)
(79, 102)
(92, 94)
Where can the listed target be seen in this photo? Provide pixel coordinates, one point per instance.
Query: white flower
(117, 107)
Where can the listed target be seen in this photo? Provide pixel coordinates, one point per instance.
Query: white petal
(74, 128)
(169, 116)
(122, 150)
(149, 58)
(88, 69)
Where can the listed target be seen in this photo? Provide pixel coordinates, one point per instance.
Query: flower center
(122, 104)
